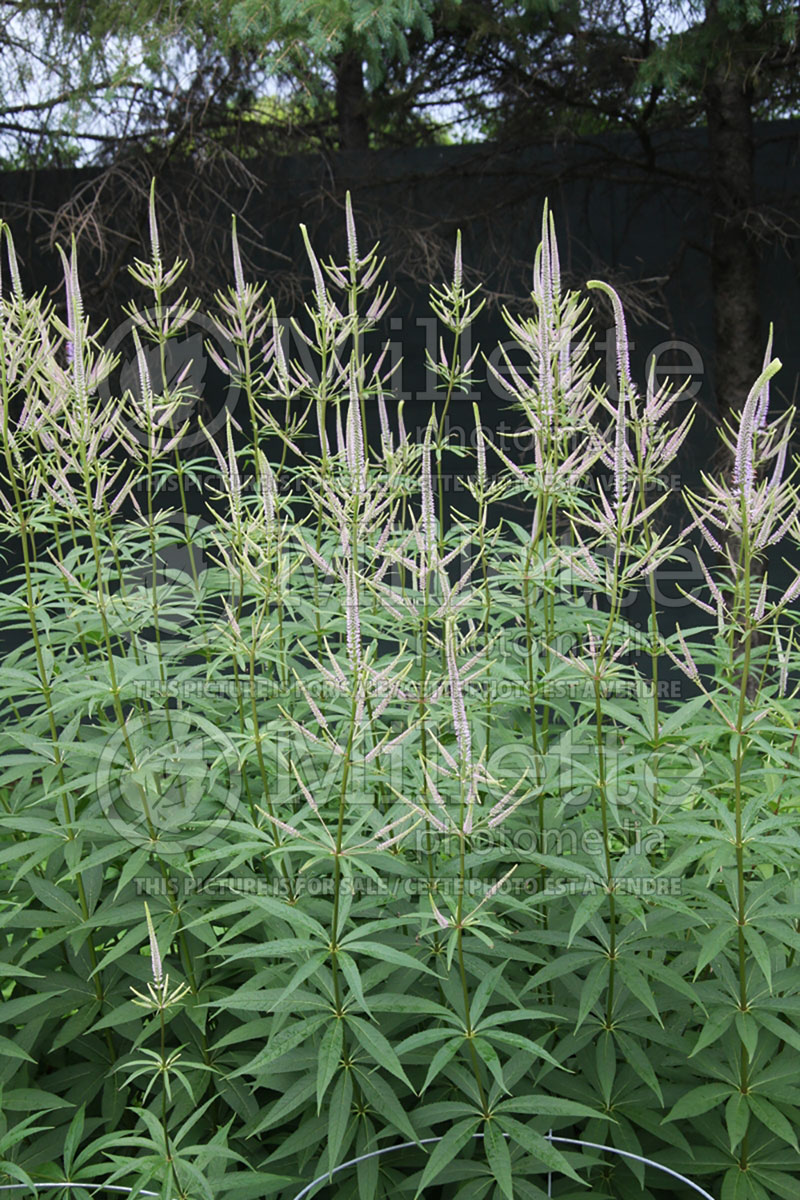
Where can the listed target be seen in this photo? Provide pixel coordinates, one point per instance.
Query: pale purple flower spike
(457, 701)
(155, 956)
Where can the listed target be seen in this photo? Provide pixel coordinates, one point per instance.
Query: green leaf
(339, 1114)
(537, 1146)
(10, 1049)
(330, 1052)
(292, 1098)
(507, 1038)
(72, 1139)
(605, 1058)
(281, 1044)
(498, 1157)
(441, 1058)
(737, 1118)
(289, 948)
(376, 1044)
(57, 899)
(781, 1029)
(15, 1170)
(713, 1029)
(674, 981)
(758, 949)
(636, 983)
(445, 1151)
(123, 1014)
(132, 867)
(20, 1006)
(20, 1130)
(304, 972)
(635, 1056)
(584, 913)
(353, 977)
(681, 715)
(564, 964)
(291, 914)
(484, 992)
(699, 1100)
(367, 1169)
(776, 1183)
(33, 1100)
(736, 1185)
(549, 1106)
(385, 1102)
(490, 1056)
(620, 714)
(773, 1118)
(712, 944)
(397, 1002)
(747, 1028)
(426, 1037)
(513, 1015)
(591, 989)
(384, 953)
(310, 1132)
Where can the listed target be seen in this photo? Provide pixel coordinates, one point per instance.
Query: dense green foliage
(330, 825)
(422, 70)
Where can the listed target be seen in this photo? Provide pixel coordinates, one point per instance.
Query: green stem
(468, 1030)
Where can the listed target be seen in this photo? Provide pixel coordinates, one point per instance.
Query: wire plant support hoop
(352, 1162)
(649, 1162)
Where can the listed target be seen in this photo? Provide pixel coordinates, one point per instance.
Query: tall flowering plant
(436, 864)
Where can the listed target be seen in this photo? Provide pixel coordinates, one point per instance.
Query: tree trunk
(734, 255)
(351, 102)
